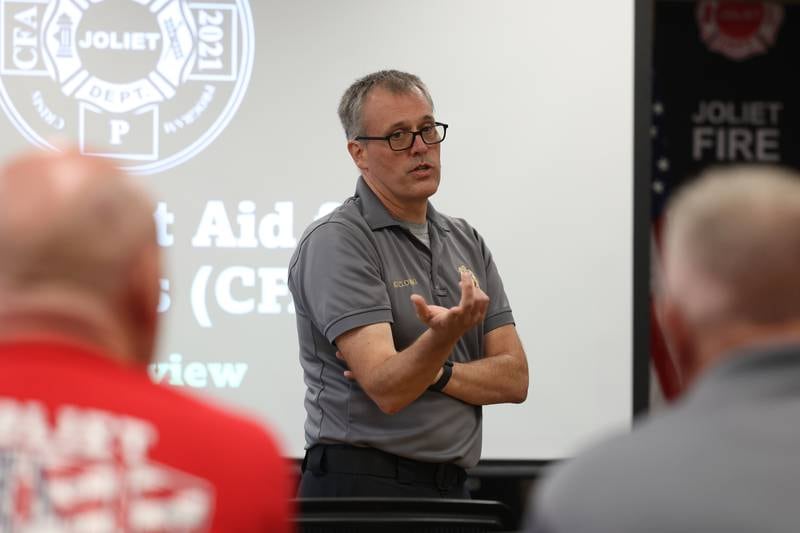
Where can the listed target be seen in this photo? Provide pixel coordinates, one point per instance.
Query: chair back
(396, 515)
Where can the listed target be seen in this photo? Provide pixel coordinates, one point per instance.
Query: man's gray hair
(352, 103)
(732, 245)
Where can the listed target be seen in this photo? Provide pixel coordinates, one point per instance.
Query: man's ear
(358, 153)
(143, 294)
(680, 341)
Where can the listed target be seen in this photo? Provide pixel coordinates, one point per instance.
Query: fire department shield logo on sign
(738, 29)
(149, 83)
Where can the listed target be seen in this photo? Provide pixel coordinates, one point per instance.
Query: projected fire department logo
(149, 83)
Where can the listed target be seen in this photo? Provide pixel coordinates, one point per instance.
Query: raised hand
(455, 321)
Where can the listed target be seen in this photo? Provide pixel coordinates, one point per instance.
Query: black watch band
(447, 371)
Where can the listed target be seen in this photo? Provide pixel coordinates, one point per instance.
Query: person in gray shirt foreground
(726, 456)
(405, 330)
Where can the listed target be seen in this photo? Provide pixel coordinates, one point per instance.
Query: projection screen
(226, 110)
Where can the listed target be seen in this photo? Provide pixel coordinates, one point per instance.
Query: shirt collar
(377, 216)
(750, 372)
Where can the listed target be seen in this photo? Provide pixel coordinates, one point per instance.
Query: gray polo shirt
(359, 266)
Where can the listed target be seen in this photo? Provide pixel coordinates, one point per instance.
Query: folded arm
(501, 376)
(395, 379)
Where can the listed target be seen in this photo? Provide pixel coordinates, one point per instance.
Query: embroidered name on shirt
(404, 283)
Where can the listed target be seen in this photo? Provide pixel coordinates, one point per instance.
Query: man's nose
(418, 145)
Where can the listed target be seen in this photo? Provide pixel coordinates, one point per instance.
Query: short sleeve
(336, 280)
(499, 311)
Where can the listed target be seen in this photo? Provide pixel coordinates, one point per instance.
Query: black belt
(344, 459)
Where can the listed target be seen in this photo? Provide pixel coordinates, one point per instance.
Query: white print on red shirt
(87, 471)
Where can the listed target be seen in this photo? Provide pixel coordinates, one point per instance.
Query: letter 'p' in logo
(149, 83)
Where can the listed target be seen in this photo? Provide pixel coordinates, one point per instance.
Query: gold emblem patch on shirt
(410, 282)
(463, 269)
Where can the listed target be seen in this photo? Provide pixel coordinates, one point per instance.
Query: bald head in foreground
(726, 456)
(87, 441)
(78, 257)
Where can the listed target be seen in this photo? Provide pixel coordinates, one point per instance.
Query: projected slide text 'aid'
(273, 230)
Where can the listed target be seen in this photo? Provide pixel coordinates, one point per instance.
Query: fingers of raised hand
(467, 289)
(475, 313)
(421, 308)
(474, 302)
(481, 304)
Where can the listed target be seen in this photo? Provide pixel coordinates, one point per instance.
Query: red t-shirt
(88, 443)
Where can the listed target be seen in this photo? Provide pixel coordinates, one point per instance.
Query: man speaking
(405, 330)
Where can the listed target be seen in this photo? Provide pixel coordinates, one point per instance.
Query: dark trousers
(350, 471)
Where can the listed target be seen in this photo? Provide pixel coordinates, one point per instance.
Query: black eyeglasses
(403, 140)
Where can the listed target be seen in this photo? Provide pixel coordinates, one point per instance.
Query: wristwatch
(447, 371)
